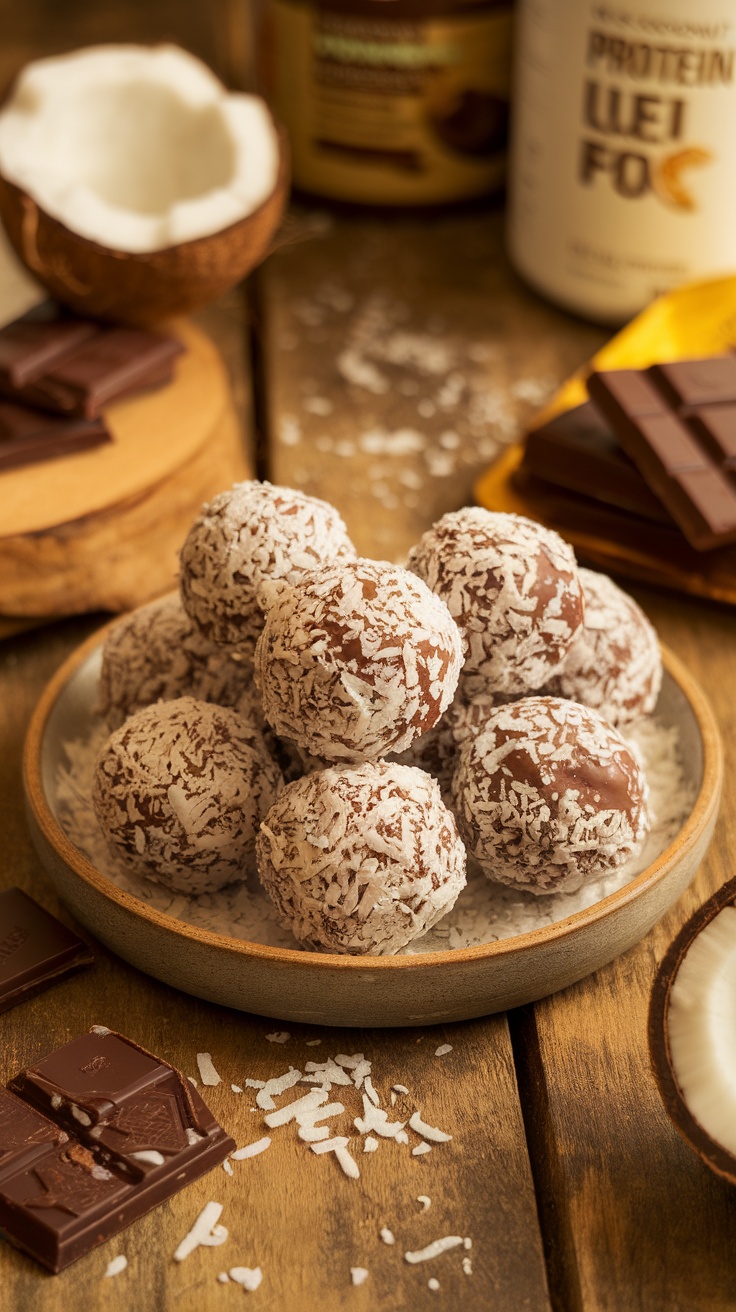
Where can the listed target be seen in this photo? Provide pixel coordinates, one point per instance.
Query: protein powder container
(391, 102)
(623, 154)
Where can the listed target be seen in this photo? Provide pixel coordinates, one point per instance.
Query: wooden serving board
(101, 529)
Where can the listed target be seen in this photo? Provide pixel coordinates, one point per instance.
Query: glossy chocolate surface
(675, 421)
(91, 1138)
(35, 948)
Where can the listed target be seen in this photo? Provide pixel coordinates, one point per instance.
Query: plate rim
(700, 816)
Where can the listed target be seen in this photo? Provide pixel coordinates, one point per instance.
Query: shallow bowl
(424, 988)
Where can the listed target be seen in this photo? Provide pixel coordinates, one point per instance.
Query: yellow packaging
(391, 104)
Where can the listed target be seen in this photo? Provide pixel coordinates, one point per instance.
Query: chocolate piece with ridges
(29, 347)
(651, 416)
(92, 1138)
(27, 436)
(577, 450)
(35, 949)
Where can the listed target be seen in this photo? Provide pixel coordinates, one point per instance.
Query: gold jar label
(392, 110)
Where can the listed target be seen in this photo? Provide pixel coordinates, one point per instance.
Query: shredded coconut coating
(179, 791)
(614, 664)
(156, 654)
(243, 546)
(362, 859)
(356, 660)
(548, 796)
(513, 588)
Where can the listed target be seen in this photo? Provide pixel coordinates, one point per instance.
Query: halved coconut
(692, 1032)
(133, 184)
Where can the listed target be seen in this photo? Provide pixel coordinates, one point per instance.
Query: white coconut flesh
(702, 1028)
(137, 148)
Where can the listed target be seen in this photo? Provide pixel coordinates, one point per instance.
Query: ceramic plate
(424, 987)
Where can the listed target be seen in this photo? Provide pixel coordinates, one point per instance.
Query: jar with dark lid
(391, 102)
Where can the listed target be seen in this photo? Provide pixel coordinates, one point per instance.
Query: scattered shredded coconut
(227, 1168)
(204, 1233)
(236, 1088)
(434, 1249)
(310, 1102)
(274, 1088)
(338, 1146)
(280, 1036)
(399, 1088)
(425, 1201)
(314, 1043)
(358, 1274)
(467, 1266)
(387, 1235)
(224, 1278)
(151, 1156)
(370, 1144)
(207, 1072)
(433, 1283)
(443, 1049)
(428, 1131)
(249, 1277)
(467, 1243)
(420, 1150)
(117, 1265)
(251, 1149)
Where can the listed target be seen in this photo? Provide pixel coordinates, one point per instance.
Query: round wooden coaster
(102, 529)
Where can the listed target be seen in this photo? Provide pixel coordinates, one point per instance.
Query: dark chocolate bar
(35, 948)
(577, 450)
(27, 436)
(113, 363)
(29, 347)
(91, 1138)
(672, 421)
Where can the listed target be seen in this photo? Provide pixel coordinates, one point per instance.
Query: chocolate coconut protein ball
(179, 792)
(155, 654)
(512, 587)
(549, 797)
(361, 859)
(356, 660)
(242, 546)
(615, 664)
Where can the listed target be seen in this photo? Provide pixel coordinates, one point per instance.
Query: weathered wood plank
(402, 354)
(632, 1219)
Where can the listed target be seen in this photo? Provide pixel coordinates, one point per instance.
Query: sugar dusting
(484, 912)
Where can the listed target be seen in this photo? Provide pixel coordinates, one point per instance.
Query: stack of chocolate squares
(650, 457)
(59, 372)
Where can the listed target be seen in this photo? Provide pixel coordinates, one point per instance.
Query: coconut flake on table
(207, 1072)
(425, 1201)
(358, 1274)
(249, 1277)
(428, 1131)
(279, 1036)
(386, 1236)
(251, 1149)
(443, 1049)
(484, 912)
(435, 1249)
(117, 1265)
(205, 1232)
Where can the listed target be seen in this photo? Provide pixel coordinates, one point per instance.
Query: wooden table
(390, 361)
(393, 358)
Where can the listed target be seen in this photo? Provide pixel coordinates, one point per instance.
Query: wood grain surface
(396, 358)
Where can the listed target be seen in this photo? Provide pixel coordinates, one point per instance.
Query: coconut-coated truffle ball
(513, 587)
(243, 545)
(155, 654)
(615, 664)
(179, 792)
(361, 859)
(548, 796)
(356, 660)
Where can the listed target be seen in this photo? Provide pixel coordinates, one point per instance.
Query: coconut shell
(718, 1158)
(144, 288)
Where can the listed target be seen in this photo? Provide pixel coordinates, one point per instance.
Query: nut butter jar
(391, 102)
(623, 154)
